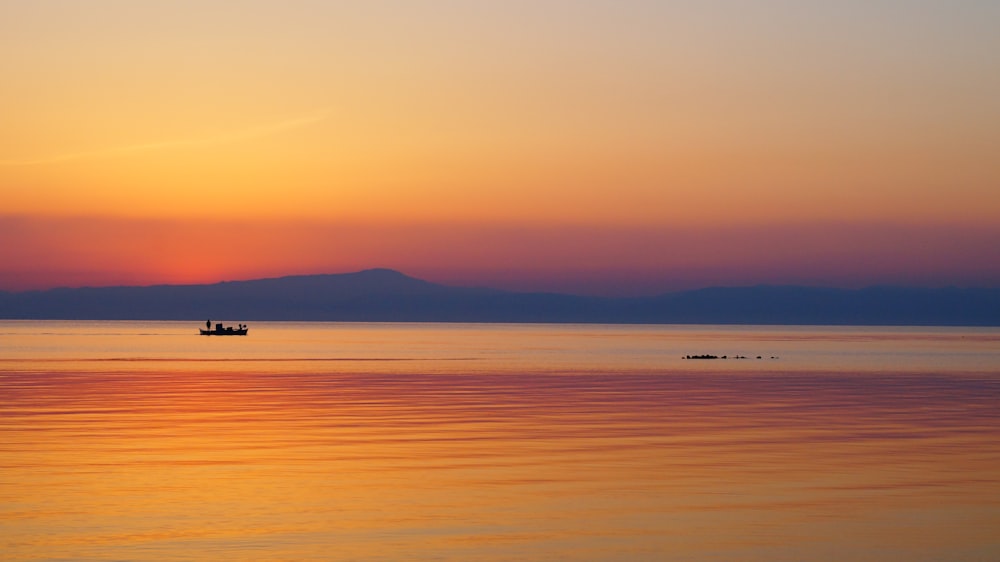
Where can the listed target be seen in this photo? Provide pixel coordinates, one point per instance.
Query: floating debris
(709, 356)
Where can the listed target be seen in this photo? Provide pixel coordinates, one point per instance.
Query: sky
(618, 147)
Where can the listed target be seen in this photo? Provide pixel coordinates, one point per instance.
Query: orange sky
(579, 145)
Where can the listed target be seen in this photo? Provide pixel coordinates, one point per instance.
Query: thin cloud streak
(223, 138)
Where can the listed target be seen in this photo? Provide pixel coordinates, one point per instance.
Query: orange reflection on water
(335, 461)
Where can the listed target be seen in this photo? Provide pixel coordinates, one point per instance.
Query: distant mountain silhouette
(386, 295)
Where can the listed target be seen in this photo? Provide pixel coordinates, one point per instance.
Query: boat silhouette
(221, 330)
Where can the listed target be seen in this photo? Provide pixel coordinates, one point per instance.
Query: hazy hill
(386, 295)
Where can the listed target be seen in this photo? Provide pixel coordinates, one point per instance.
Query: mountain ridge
(389, 295)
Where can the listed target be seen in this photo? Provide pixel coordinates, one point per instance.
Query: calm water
(145, 441)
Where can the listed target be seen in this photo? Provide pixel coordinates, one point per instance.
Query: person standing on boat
(208, 324)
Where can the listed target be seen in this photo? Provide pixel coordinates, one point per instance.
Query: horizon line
(467, 286)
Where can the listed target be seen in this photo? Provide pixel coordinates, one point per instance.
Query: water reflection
(414, 459)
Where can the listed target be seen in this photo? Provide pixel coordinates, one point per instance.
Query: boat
(221, 330)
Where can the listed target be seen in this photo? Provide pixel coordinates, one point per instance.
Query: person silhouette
(208, 324)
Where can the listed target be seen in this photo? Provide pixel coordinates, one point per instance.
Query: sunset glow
(607, 148)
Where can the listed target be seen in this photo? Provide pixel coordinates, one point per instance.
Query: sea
(395, 441)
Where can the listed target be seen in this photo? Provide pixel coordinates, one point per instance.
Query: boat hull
(227, 332)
